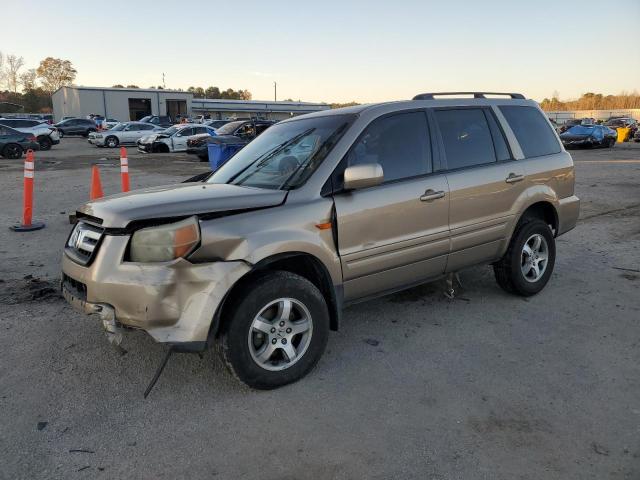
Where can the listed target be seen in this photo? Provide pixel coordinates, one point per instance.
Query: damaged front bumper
(175, 302)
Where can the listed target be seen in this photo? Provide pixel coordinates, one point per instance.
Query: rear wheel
(111, 141)
(612, 142)
(276, 331)
(12, 151)
(44, 142)
(86, 134)
(527, 266)
(60, 133)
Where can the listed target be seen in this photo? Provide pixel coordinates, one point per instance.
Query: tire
(44, 142)
(12, 151)
(203, 158)
(612, 143)
(510, 269)
(111, 141)
(86, 134)
(60, 133)
(254, 351)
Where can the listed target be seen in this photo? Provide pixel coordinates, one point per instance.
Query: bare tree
(12, 71)
(28, 79)
(1, 68)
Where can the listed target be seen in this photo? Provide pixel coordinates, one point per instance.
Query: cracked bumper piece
(173, 301)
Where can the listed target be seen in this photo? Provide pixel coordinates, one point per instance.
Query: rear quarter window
(533, 132)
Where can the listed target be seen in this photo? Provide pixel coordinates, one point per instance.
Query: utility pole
(275, 92)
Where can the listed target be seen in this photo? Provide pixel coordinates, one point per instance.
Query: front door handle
(431, 195)
(513, 178)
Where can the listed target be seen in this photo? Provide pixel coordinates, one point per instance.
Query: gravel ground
(487, 386)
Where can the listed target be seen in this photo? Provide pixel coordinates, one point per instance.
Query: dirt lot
(486, 386)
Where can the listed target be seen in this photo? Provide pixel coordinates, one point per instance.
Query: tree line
(593, 101)
(35, 84)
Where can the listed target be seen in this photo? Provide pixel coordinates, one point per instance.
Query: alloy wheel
(280, 334)
(534, 258)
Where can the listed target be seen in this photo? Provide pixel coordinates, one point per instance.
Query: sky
(338, 51)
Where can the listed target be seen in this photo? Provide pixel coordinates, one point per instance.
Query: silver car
(125, 133)
(323, 211)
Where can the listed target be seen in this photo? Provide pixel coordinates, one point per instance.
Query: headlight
(166, 242)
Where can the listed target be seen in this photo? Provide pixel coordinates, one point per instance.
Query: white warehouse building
(134, 103)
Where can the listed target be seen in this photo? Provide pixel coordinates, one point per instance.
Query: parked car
(76, 126)
(45, 134)
(243, 130)
(322, 211)
(624, 122)
(173, 139)
(122, 134)
(589, 136)
(158, 120)
(13, 142)
(215, 124)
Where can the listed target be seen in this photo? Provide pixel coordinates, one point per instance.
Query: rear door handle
(431, 195)
(513, 178)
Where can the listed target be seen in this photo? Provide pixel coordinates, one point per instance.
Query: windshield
(580, 130)
(145, 119)
(170, 131)
(229, 128)
(285, 155)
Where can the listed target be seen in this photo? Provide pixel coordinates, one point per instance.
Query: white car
(173, 139)
(122, 133)
(45, 134)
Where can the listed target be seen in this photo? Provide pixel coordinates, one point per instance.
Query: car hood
(183, 199)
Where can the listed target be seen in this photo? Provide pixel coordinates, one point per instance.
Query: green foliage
(341, 105)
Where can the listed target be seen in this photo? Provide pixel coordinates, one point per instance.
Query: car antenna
(158, 372)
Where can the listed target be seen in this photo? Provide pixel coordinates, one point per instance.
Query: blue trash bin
(220, 152)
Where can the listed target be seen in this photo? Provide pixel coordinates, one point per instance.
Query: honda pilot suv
(321, 211)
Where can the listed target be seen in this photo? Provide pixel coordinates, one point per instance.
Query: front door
(485, 183)
(395, 234)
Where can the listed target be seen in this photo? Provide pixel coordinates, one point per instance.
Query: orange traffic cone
(96, 186)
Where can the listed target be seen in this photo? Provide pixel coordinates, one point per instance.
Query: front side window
(285, 155)
(533, 132)
(466, 136)
(399, 143)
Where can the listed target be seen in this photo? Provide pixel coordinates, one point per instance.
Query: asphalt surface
(413, 386)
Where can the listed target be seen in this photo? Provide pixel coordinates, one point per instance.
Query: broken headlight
(165, 242)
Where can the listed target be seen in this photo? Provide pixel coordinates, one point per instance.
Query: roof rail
(430, 96)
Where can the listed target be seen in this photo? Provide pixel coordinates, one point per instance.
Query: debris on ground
(42, 425)
(371, 341)
(28, 289)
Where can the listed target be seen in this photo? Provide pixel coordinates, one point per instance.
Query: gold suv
(322, 211)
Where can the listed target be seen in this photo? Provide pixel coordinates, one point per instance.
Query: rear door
(395, 234)
(484, 181)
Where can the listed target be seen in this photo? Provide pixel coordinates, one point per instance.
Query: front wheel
(527, 266)
(276, 332)
(45, 143)
(111, 142)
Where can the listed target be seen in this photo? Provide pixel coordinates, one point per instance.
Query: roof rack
(430, 96)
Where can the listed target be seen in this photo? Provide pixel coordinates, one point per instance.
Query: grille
(83, 242)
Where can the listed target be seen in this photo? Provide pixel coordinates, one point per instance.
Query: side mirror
(363, 176)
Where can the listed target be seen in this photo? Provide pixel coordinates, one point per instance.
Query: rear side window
(399, 143)
(533, 132)
(466, 136)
